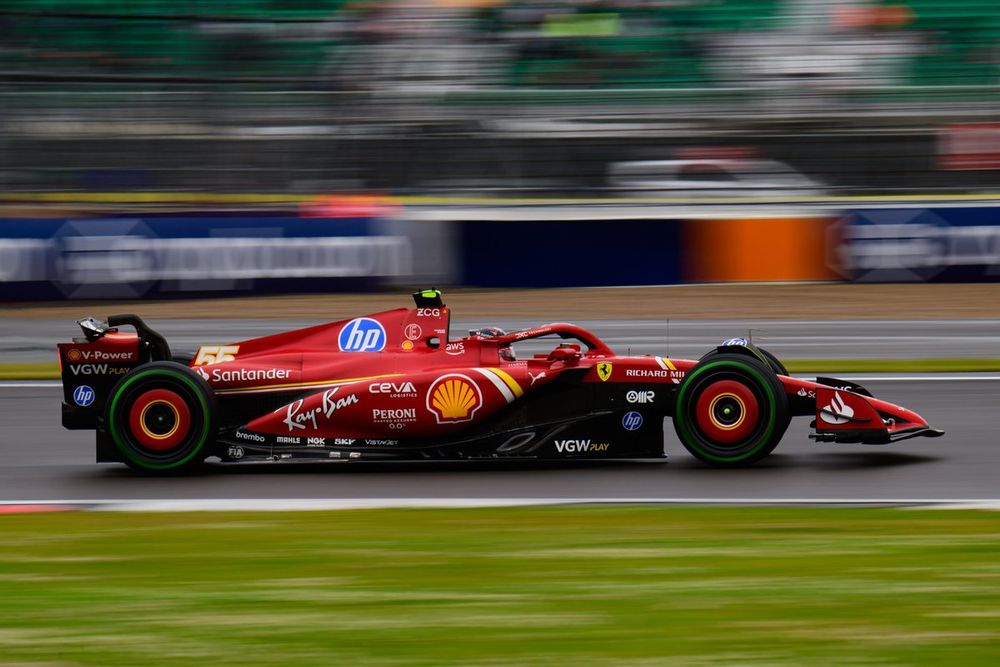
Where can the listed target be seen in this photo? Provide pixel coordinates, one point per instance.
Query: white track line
(302, 504)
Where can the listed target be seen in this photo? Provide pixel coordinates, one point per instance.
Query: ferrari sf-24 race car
(395, 386)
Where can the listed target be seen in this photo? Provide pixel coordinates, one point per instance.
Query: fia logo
(362, 334)
(632, 421)
(604, 371)
(83, 395)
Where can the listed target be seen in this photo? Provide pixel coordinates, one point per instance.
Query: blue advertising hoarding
(917, 244)
(570, 253)
(174, 255)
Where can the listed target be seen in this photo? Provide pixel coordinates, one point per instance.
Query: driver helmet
(488, 332)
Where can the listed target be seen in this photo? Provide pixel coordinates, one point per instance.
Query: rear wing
(91, 365)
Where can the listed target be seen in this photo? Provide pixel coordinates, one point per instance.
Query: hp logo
(362, 335)
(83, 396)
(632, 421)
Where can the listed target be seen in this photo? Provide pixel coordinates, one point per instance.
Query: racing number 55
(215, 354)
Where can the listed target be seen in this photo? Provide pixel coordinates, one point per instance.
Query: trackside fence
(127, 256)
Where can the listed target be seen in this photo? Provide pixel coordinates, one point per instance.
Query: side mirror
(567, 355)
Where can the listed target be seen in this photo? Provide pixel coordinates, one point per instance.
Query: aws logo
(454, 398)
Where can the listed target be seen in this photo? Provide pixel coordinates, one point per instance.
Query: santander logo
(837, 412)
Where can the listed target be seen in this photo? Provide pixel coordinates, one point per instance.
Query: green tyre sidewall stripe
(680, 416)
(125, 450)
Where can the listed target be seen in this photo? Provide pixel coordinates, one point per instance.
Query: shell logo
(73, 355)
(454, 398)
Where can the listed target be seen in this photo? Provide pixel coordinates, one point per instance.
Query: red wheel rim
(727, 411)
(159, 419)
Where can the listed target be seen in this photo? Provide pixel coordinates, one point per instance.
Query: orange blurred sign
(757, 250)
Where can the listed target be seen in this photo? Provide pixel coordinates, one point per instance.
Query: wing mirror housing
(568, 354)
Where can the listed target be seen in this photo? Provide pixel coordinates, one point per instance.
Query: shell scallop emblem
(454, 398)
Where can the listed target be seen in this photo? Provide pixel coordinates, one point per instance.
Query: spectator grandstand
(549, 43)
(540, 94)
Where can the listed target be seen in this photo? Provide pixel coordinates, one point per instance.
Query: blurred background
(169, 149)
(823, 139)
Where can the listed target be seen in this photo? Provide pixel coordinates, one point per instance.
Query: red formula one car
(394, 386)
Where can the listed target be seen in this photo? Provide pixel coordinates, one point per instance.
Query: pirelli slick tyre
(731, 410)
(161, 417)
(772, 360)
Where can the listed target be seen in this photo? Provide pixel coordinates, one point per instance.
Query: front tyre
(731, 410)
(161, 417)
(771, 360)
(774, 362)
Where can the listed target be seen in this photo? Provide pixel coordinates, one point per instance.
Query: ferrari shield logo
(604, 371)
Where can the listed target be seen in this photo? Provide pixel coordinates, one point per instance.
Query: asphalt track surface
(26, 340)
(41, 461)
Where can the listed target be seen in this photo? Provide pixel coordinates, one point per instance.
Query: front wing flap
(846, 412)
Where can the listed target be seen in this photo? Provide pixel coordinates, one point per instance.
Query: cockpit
(505, 350)
(576, 342)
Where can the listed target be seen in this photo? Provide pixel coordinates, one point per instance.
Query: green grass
(48, 371)
(531, 586)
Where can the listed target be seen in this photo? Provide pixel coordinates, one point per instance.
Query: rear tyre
(161, 417)
(731, 410)
(183, 358)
